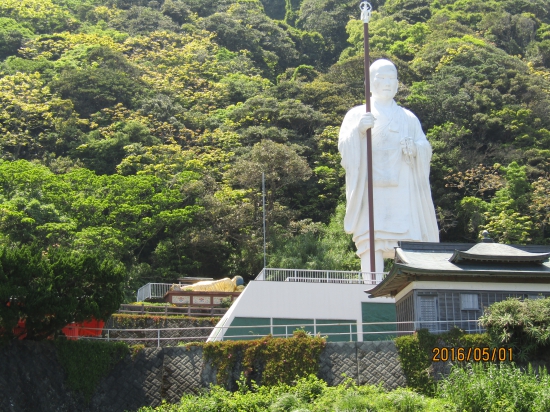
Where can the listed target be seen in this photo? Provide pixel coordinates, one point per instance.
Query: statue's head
(238, 280)
(383, 80)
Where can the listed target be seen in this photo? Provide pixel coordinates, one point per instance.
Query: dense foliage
(140, 129)
(86, 362)
(155, 321)
(522, 325)
(267, 361)
(49, 289)
(474, 388)
(416, 352)
(490, 387)
(307, 394)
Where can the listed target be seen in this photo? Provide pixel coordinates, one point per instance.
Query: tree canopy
(139, 130)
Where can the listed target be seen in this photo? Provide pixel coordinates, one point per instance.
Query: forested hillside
(140, 129)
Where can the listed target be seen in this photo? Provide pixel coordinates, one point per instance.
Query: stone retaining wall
(157, 331)
(31, 378)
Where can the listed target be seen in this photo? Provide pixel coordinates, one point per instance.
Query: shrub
(523, 325)
(268, 360)
(415, 354)
(48, 289)
(415, 361)
(490, 387)
(309, 394)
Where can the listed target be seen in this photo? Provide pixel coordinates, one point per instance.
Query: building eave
(401, 275)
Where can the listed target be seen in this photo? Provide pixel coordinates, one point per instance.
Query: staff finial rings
(366, 10)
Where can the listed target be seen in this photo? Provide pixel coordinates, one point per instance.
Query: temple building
(440, 285)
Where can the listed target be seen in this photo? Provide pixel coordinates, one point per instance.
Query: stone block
(378, 363)
(132, 383)
(182, 372)
(338, 362)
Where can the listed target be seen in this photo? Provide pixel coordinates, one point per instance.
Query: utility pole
(263, 208)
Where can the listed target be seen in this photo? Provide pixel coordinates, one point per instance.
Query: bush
(415, 354)
(523, 325)
(504, 387)
(268, 360)
(52, 288)
(308, 394)
(415, 362)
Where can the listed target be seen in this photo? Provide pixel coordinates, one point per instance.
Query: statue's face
(384, 83)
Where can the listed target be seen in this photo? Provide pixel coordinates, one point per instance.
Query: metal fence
(161, 337)
(320, 276)
(152, 291)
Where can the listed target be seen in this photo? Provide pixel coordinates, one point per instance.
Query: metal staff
(366, 10)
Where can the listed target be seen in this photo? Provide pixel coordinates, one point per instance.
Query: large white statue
(403, 206)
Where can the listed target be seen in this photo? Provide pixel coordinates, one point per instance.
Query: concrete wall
(31, 378)
(265, 299)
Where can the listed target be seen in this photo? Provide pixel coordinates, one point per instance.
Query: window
(428, 313)
(469, 301)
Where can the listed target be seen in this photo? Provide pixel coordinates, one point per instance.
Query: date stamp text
(483, 354)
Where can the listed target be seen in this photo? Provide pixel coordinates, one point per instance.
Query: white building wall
(299, 300)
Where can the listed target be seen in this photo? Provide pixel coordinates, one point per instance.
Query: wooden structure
(202, 299)
(437, 286)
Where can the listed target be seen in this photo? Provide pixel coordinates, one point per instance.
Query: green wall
(257, 328)
(342, 331)
(306, 324)
(378, 312)
(283, 326)
(371, 312)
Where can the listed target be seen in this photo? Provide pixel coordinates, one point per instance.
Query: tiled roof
(434, 261)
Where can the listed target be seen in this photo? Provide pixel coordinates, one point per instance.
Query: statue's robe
(403, 206)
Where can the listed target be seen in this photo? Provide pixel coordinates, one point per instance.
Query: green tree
(280, 163)
(49, 289)
(540, 208)
(244, 26)
(316, 246)
(12, 36)
(106, 79)
(328, 18)
(142, 20)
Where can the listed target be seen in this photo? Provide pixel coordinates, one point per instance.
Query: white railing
(152, 291)
(371, 331)
(158, 290)
(320, 276)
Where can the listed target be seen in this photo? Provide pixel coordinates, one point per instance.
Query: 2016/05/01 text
(483, 354)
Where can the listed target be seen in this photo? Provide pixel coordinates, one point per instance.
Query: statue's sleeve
(352, 149)
(423, 147)
(421, 179)
(347, 139)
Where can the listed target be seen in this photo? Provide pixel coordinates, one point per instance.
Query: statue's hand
(366, 122)
(408, 147)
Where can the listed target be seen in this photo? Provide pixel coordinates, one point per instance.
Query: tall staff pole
(366, 10)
